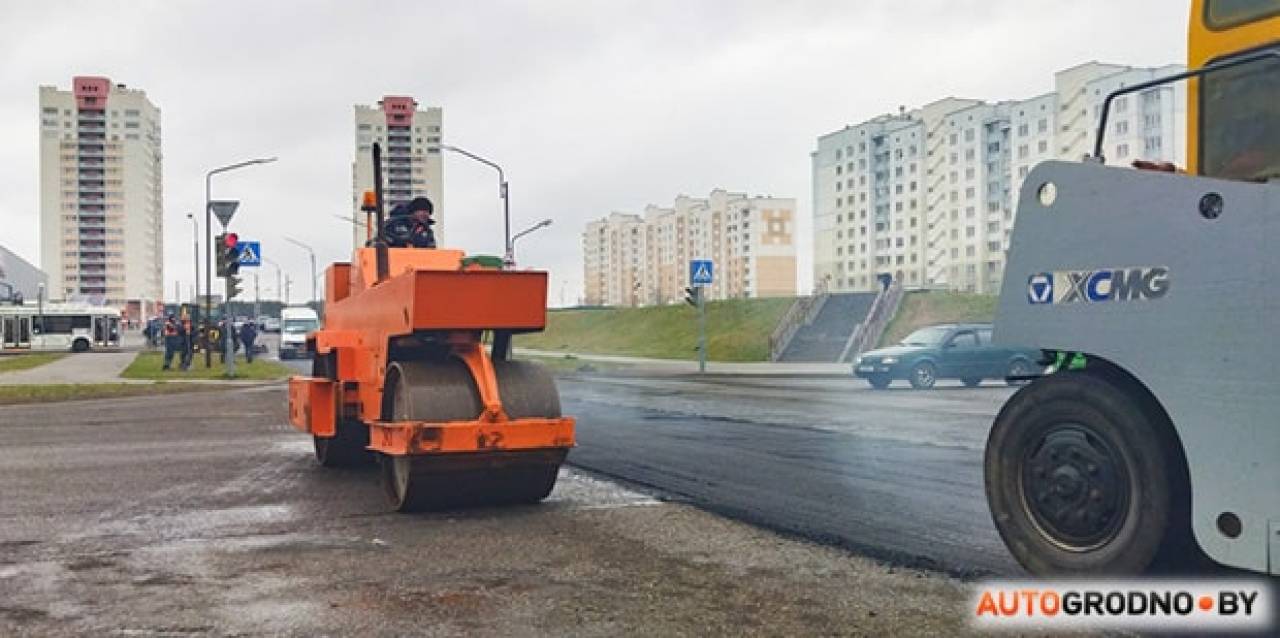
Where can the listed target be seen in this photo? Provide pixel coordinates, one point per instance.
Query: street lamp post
(503, 192)
(195, 253)
(208, 238)
(313, 264)
(279, 280)
(511, 250)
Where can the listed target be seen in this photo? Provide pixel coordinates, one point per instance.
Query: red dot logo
(1206, 603)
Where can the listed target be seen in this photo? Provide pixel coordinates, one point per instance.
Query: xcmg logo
(1092, 286)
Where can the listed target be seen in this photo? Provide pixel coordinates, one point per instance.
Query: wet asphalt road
(204, 514)
(895, 474)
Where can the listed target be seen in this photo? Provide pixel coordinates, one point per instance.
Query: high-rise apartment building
(634, 260)
(411, 163)
(930, 195)
(101, 204)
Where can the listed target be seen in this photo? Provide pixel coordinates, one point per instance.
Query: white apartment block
(929, 195)
(634, 260)
(101, 203)
(410, 138)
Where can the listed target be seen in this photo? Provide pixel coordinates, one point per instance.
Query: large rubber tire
(443, 390)
(923, 375)
(1083, 478)
(80, 345)
(348, 447)
(878, 382)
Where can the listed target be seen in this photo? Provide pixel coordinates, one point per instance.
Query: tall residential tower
(411, 164)
(101, 204)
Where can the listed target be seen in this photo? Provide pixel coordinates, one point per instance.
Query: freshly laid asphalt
(894, 474)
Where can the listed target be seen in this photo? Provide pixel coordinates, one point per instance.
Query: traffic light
(231, 253)
(692, 295)
(233, 286)
(226, 247)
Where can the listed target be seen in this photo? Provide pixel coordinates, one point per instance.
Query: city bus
(58, 326)
(1154, 442)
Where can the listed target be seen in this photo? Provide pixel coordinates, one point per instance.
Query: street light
(511, 250)
(195, 252)
(279, 284)
(208, 239)
(503, 192)
(313, 264)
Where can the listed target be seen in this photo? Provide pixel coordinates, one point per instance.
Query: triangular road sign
(223, 210)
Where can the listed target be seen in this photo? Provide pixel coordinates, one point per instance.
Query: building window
(1023, 130)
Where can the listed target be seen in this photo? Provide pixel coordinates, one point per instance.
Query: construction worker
(172, 339)
(248, 334)
(410, 224)
(188, 342)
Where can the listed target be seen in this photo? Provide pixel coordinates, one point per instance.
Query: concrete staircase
(824, 338)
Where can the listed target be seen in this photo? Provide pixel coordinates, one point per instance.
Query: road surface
(204, 514)
(895, 474)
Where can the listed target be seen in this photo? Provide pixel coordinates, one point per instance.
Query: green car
(947, 351)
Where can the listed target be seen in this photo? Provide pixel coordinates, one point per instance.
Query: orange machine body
(434, 295)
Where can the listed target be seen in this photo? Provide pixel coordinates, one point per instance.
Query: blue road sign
(700, 271)
(250, 253)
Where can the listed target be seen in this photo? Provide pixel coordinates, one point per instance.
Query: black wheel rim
(1076, 487)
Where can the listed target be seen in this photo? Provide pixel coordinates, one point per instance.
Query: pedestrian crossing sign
(250, 253)
(700, 272)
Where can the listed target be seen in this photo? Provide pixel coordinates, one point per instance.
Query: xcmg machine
(1156, 439)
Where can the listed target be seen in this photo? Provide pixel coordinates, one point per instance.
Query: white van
(295, 325)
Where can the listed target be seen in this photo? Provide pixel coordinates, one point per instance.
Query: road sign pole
(229, 330)
(702, 331)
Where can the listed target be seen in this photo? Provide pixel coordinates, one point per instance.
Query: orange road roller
(412, 369)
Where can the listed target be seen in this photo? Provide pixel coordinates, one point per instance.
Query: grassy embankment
(148, 365)
(13, 363)
(921, 309)
(56, 393)
(737, 330)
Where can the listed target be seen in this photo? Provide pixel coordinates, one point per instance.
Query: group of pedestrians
(181, 338)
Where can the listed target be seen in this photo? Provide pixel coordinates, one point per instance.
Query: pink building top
(91, 92)
(399, 109)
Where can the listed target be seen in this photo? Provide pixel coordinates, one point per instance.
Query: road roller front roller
(412, 371)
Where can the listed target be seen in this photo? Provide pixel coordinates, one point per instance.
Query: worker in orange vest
(172, 339)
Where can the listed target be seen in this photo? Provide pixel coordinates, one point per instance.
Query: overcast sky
(591, 106)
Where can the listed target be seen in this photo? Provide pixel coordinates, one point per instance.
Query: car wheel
(80, 345)
(1083, 478)
(1019, 368)
(923, 375)
(878, 382)
(972, 382)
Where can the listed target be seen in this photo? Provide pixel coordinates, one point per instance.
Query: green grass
(11, 363)
(149, 365)
(921, 309)
(737, 330)
(55, 393)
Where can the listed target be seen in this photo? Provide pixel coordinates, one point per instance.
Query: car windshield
(925, 337)
(299, 325)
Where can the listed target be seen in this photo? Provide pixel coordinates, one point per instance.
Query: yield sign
(223, 209)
